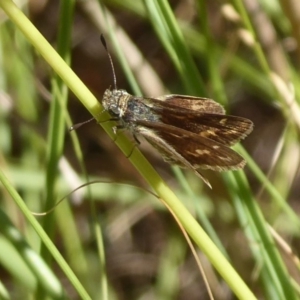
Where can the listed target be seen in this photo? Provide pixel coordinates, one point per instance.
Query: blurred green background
(244, 55)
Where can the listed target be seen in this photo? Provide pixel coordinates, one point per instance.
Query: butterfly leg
(137, 142)
(115, 130)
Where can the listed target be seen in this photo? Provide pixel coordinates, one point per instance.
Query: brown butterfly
(188, 131)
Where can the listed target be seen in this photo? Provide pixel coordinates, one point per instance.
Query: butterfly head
(115, 101)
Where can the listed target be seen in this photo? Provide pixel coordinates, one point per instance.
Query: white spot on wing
(201, 152)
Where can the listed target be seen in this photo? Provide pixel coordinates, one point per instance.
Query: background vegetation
(118, 241)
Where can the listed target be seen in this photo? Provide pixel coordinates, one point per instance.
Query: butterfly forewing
(196, 104)
(223, 129)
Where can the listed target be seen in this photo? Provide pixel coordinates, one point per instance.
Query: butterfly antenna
(110, 59)
(76, 126)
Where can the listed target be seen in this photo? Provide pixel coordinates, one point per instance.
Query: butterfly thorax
(115, 101)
